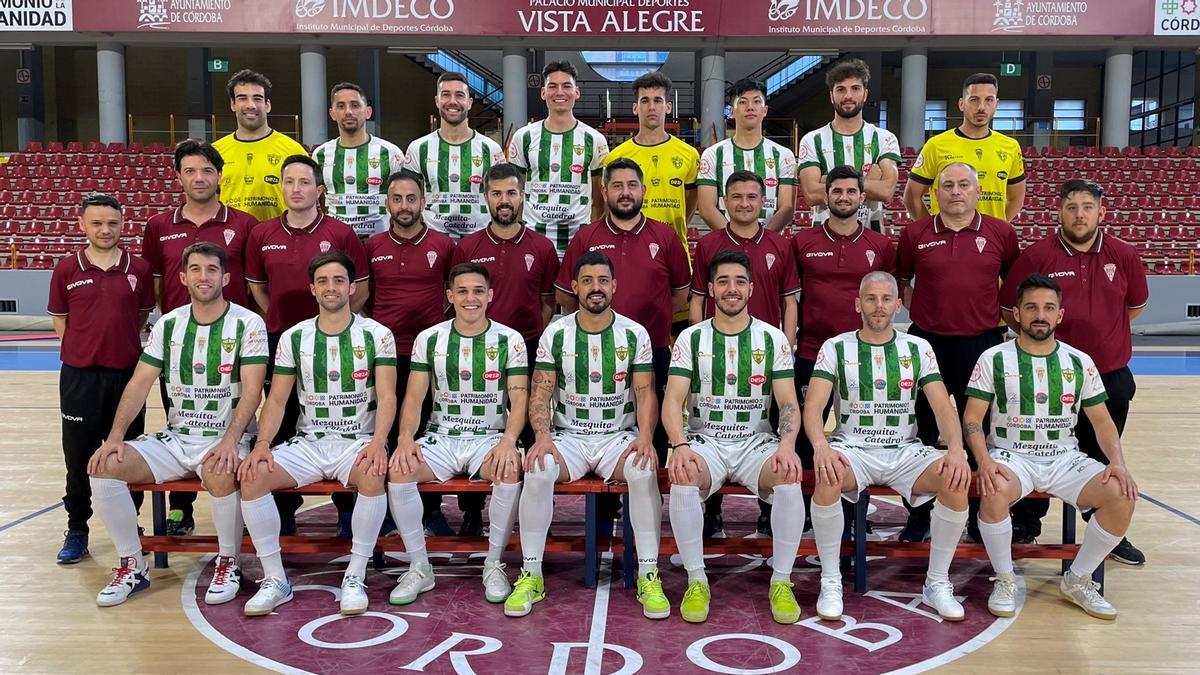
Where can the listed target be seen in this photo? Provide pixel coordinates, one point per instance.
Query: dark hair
(841, 173)
(746, 177)
(209, 249)
(451, 76)
(247, 76)
(1080, 185)
(1035, 281)
(593, 258)
(318, 174)
(191, 148)
(622, 163)
(727, 257)
(502, 171)
(744, 85)
(332, 256)
(981, 78)
(655, 80)
(468, 268)
(563, 66)
(99, 199)
(408, 174)
(848, 69)
(343, 86)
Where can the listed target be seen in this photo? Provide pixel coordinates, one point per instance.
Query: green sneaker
(178, 525)
(694, 608)
(784, 608)
(528, 590)
(650, 593)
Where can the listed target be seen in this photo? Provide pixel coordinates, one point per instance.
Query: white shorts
(308, 460)
(898, 468)
(1063, 476)
(740, 461)
(598, 453)
(450, 456)
(174, 456)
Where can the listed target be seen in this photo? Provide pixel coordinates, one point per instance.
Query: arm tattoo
(539, 403)
(639, 389)
(787, 420)
(973, 428)
(512, 390)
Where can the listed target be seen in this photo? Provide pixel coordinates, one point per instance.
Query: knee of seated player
(1106, 496)
(548, 473)
(994, 508)
(369, 484)
(630, 471)
(219, 484)
(259, 485)
(825, 494)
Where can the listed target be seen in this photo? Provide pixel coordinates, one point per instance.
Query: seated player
(213, 355)
(344, 369)
(476, 367)
(595, 369)
(728, 369)
(1035, 387)
(876, 373)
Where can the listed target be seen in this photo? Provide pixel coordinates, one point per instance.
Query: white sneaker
(354, 596)
(272, 592)
(226, 582)
(495, 582)
(1003, 600)
(829, 602)
(1086, 593)
(412, 583)
(940, 596)
(127, 579)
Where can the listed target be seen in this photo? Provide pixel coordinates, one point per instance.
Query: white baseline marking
(595, 650)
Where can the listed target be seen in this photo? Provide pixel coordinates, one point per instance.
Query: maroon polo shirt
(831, 267)
(651, 264)
(522, 269)
(278, 255)
(409, 282)
(771, 264)
(169, 233)
(1099, 287)
(103, 309)
(956, 290)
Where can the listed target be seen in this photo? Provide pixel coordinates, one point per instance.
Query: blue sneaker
(436, 525)
(344, 529)
(75, 546)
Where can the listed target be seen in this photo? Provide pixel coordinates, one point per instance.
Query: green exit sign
(1010, 70)
(218, 65)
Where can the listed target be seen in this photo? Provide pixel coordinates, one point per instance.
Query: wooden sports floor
(52, 625)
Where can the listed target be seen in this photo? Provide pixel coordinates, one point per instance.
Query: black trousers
(87, 399)
(662, 362)
(179, 501)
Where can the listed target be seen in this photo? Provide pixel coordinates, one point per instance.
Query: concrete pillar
(712, 95)
(31, 100)
(1118, 87)
(914, 71)
(368, 79)
(1040, 102)
(514, 71)
(199, 96)
(314, 96)
(110, 78)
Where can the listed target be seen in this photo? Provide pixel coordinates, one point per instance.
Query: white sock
(945, 529)
(365, 521)
(502, 514)
(536, 511)
(262, 520)
(787, 528)
(645, 513)
(997, 540)
(407, 511)
(829, 525)
(687, 524)
(227, 518)
(1097, 544)
(111, 499)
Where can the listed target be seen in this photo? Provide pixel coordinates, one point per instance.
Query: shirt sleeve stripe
(921, 179)
(981, 395)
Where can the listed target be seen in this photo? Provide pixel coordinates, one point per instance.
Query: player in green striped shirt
(727, 370)
(213, 355)
(876, 373)
(476, 367)
(1035, 387)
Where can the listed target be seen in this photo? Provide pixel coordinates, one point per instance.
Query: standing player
(453, 160)
(727, 370)
(476, 367)
(594, 370)
(996, 157)
(562, 159)
(355, 164)
(213, 354)
(250, 181)
(748, 150)
(99, 300)
(343, 367)
(849, 140)
(1032, 446)
(1104, 289)
(876, 372)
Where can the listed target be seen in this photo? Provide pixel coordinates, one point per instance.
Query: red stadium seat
(135, 148)
(94, 147)
(75, 146)
(34, 146)
(115, 148)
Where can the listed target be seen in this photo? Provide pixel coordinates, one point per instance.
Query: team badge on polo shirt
(870, 257)
(980, 242)
(325, 246)
(132, 278)
(1110, 270)
(770, 260)
(653, 250)
(229, 235)
(529, 262)
(432, 258)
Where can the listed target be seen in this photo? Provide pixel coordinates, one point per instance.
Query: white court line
(595, 650)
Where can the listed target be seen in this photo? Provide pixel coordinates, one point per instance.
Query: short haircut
(332, 256)
(655, 80)
(1074, 185)
(452, 76)
(407, 174)
(974, 173)
(744, 85)
(593, 258)
(99, 199)
(247, 76)
(981, 78)
(563, 66)
(841, 173)
(502, 171)
(193, 148)
(318, 174)
(746, 177)
(848, 69)
(209, 249)
(1035, 281)
(730, 257)
(878, 276)
(343, 86)
(468, 268)
(622, 163)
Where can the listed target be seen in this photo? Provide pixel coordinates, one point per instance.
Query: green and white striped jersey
(335, 375)
(202, 365)
(469, 376)
(595, 373)
(772, 162)
(1036, 400)
(559, 170)
(454, 198)
(825, 149)
(876, 387)
(731, 376)
(356, 182)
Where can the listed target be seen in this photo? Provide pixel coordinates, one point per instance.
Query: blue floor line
(1163, 505)
(29, 517)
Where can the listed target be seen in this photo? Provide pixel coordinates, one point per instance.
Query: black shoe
(472, 524)
(1023, 535)
(287, 524)
(916, 529)
(714, 525)
(345, 530)
(764, 527)
(1127, 554)
(436, 525)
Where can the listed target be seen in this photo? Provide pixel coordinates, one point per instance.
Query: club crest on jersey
(622, 352)
(758, 355)
(595, 351)
(477, 162)
(274, 159)
(879, 359)
(200, 342)
(464, 375)
(578, 149)
(905, 361)
(229, 235)
(770, 164)
(1069, 375)
(594, 376)
(770, 260)
(979, 153)
(432, 258)
(333, 351)
(529, 262)
(676, 161)
(359, 352)
(325, 246)
(1041, 372)
(653, 251)
(1003, 155)
(1041, 397)
(228, 344)
(374, 162)
(1110, 271)
(132, 279)
(466, 352)
(492, 353)
(980, 242)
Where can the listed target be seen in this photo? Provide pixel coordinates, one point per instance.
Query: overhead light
(412, 50)
(814, 52)
(16, 46)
